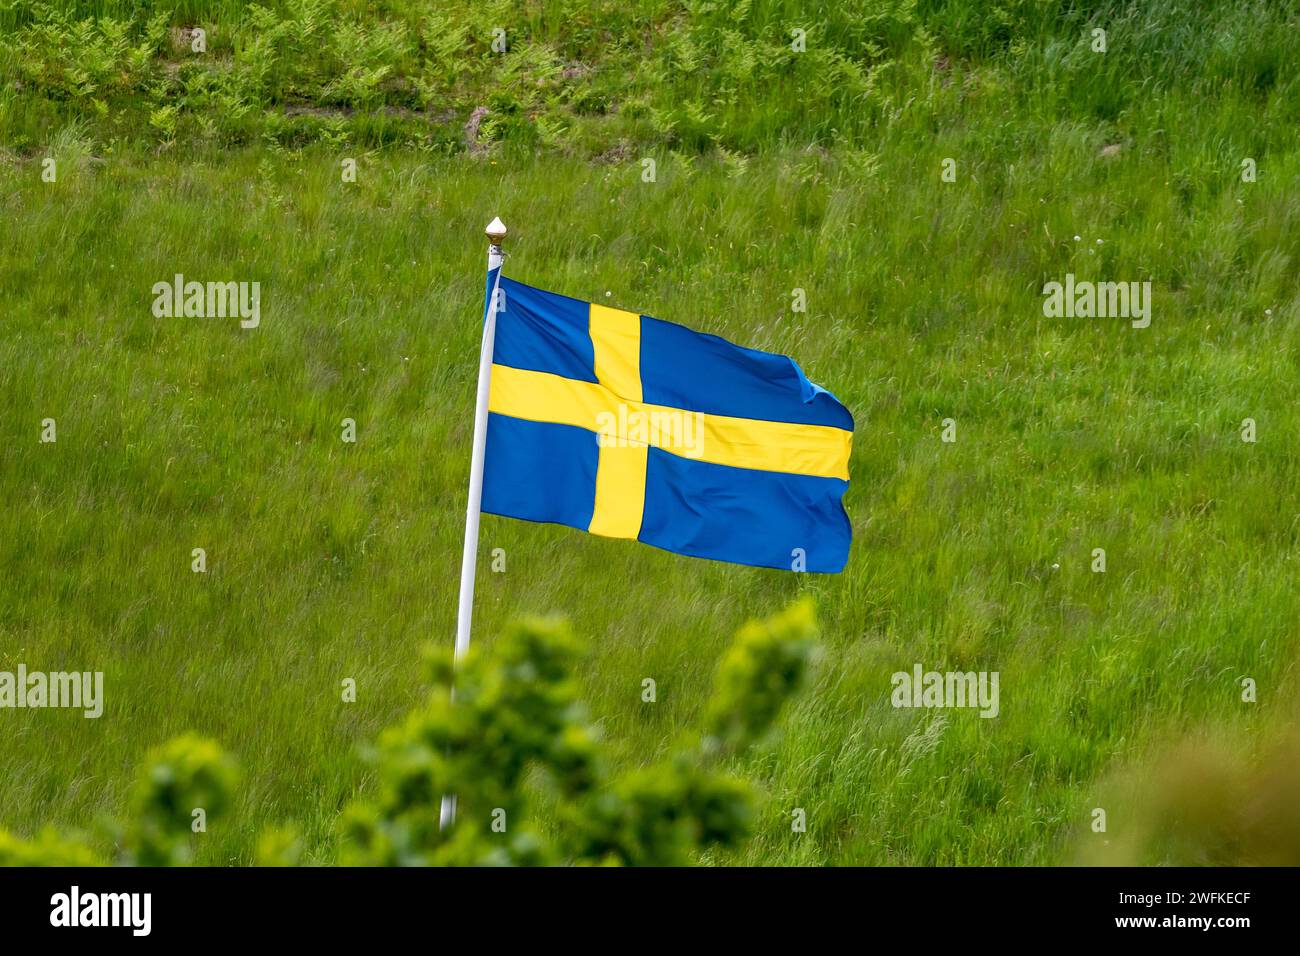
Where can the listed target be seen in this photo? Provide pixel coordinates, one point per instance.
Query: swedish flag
(631, 427)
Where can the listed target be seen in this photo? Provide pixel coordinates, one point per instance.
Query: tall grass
(329, 560)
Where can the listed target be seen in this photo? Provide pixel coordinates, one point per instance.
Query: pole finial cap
(496, 231)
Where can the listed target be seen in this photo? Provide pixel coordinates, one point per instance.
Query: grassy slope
(330, 560)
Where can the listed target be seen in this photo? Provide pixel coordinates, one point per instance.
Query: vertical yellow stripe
(620, 474)
(620, 492)
(616, 340)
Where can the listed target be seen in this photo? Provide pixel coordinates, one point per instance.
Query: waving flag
(627, 426)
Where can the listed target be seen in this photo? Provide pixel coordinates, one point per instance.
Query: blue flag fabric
(627, 426)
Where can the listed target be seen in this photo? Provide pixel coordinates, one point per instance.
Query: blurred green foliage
(516, 748)
(516, 740)
(1211, 799)
(184, 775)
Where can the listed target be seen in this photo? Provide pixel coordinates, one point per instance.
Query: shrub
(532, 781)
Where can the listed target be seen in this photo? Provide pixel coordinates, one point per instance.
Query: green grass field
(330, 560)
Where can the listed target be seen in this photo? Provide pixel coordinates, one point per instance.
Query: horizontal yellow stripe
(740, 442)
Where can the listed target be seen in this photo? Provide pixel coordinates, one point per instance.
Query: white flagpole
(496, 233)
